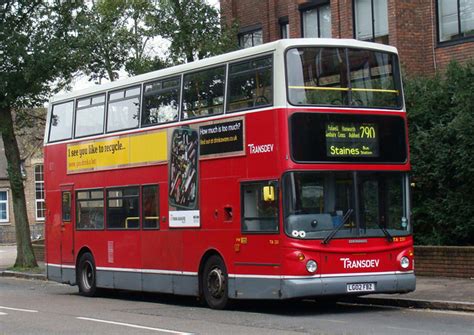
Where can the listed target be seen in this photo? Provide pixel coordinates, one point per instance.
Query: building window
(3, 206)
(251, 38)
(371, 20)
(284, 27)
(39, 192)
(455, 19)
(316, 21)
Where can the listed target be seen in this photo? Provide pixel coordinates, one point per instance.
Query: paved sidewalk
(431, 292)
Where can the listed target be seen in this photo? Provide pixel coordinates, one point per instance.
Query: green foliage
(193, 29)
(105, 38)
(441, 124)
(37, 47)
(123, 34)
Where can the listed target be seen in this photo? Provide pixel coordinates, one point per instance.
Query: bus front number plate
(360, 287)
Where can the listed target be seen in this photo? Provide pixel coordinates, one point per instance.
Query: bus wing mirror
(269, 193)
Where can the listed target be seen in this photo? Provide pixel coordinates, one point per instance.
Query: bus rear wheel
(86, 275)
(215, 283)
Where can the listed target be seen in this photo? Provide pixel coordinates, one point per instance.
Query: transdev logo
(360, 263)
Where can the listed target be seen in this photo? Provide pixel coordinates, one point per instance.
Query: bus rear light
(311, 266)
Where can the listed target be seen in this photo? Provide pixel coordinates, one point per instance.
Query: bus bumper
(287, 288)
(325, 286)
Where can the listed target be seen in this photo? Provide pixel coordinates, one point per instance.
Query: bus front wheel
(215, 283)
(86, 279)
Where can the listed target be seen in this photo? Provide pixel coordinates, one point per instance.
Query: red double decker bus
(275, 172)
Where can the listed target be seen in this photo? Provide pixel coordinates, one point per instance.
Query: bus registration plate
(361, 287)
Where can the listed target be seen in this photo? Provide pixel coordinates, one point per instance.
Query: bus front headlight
(311, 266)
(404, 262)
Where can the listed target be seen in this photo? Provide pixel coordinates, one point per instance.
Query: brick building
(427, 33)
(31, 150)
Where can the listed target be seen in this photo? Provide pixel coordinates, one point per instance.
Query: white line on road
(134, 326)
(1, 313)
(19, 309)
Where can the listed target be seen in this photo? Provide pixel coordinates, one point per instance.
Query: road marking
(443, 311)
(134, 326)
(1, 313)
(19, 309)
(407, 329)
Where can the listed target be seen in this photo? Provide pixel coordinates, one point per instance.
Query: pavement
(440, 293)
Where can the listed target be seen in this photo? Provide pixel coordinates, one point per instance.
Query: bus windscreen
(348, 77)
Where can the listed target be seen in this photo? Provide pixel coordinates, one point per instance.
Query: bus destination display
(352, 139)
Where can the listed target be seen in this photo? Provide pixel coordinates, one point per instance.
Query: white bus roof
(279, 45)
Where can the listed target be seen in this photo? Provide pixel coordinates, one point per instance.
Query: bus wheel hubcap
(87, 275)
(215, 283)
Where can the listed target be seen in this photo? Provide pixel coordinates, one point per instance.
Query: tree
(441, 121)
(38, 48)
(105, 38)
(193, 29)
(122, 35)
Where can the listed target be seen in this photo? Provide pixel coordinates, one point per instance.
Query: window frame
(396, 74)
(182, 101)
(372, 14)
(124, 98)
(39, 200)
(73, 118)
(284, 24)
(77, 200)
(452, 41)
(179, 77)
(104, 117)
(227, 93)
(106, 208)
(276, 183)
(6, 202)
(315, 6)
(142, 207)
(63, 211)
(249, 31)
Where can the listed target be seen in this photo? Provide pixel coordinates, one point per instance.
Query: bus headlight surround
(404, 262)
(311, 266)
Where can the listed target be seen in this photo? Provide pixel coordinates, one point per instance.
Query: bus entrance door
(67, 224)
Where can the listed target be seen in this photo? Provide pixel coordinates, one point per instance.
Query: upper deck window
(90, 116)
(161, 101)
(124, 109)
(203, 93)
(250, 84)
(61, 122)
(343, 77)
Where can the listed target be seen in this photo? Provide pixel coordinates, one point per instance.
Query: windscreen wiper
(333, 232)
(385, 232)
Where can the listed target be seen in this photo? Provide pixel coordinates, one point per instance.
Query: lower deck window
(258, 213)
(123, 208)
(90, 209)
(150, 196)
